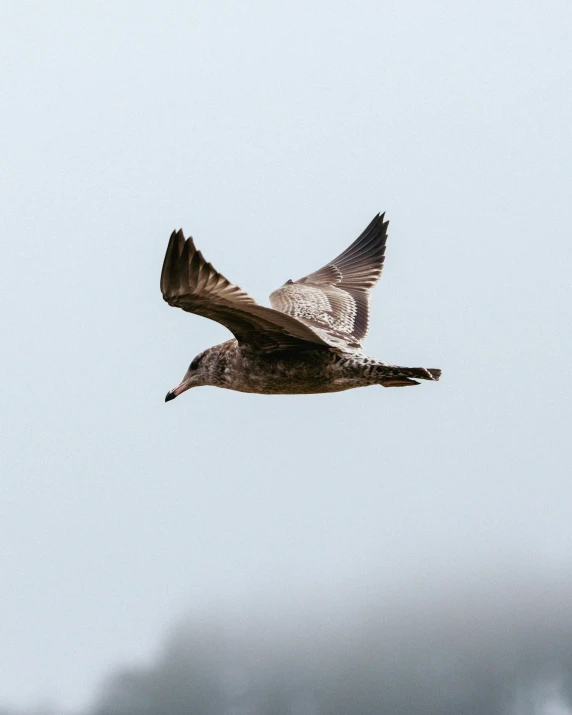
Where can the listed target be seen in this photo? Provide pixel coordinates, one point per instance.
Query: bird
(308, 342)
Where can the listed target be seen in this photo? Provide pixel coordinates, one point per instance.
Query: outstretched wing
(190, 283)
(334, 301)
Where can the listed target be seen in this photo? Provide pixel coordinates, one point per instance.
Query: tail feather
(396, 376)
(398, 382)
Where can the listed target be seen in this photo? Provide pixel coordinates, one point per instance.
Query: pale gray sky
(272, 133)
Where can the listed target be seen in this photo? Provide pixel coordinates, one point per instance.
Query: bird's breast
(303, 372)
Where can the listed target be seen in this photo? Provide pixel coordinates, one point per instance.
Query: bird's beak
(175, 392)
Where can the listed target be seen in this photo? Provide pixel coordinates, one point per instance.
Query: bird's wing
(334, 301)
(190, 283)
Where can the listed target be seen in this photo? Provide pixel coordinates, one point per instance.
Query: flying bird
(310, 341)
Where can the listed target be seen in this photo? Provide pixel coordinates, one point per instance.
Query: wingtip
(176, 234)
(173, 253)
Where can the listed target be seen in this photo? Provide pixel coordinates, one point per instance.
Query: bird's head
(196, 375)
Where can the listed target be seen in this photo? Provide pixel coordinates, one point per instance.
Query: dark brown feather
(190, 283)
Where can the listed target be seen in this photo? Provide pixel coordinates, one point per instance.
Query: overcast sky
(273, 132)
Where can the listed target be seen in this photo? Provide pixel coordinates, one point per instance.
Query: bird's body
(315, 370)
(309, 342)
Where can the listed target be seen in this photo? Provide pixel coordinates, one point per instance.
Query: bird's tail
(396, 376)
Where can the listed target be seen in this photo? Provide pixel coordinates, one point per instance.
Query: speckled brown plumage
(308, 342)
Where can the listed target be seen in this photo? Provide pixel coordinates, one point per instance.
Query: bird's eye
(196, 362)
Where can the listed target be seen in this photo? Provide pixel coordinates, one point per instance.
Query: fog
(483, 645)
(498, 643)
(472, 643)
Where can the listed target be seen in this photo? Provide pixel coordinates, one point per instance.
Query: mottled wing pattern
(190, 283)
(334, 301)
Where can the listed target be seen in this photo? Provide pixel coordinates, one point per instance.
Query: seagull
(308, 342)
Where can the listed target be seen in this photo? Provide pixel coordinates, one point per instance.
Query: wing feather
(191, 283)
(334, 300)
